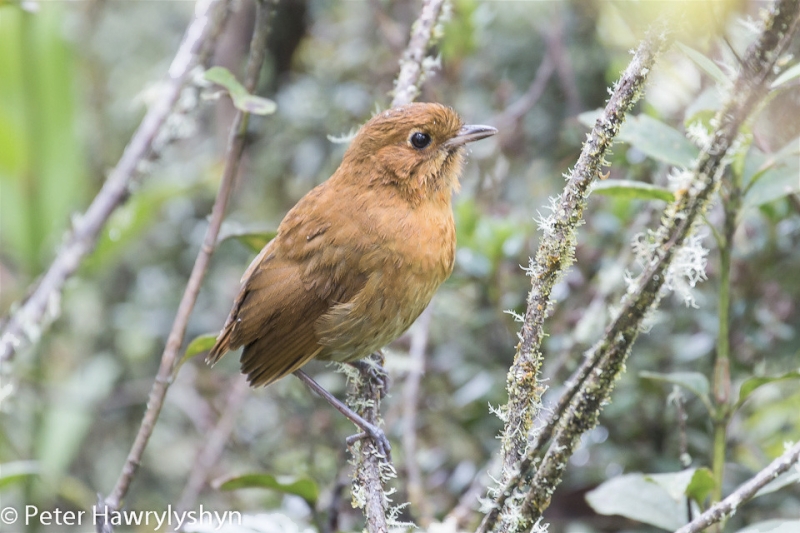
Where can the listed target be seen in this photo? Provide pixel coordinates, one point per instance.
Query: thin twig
(556, 254)
(415, 486)
(42, 305)
(213, 445)
(507, 122)
(233, 155)
(412, 65)
(566, 74)
(745, 492)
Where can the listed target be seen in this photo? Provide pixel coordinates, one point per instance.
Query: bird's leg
(369, 430)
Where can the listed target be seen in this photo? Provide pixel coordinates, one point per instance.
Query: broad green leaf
(658, 140)
(771, 177)
(786, 76)
(632, 190)
(43, 175)
(653, 137)
(701, 485)
(639, 497)
(675, 483)
(691, 381)
(16, 471)
(255, 240)
(706, 64)
(773, 526)
(304, 487)
(749, 386)
(243, 100)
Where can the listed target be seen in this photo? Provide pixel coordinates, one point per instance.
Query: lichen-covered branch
(557, 247)
(233, 155)
(42, 305)
(371, 468)
(414, 64)
(728, 506)
(607, 358)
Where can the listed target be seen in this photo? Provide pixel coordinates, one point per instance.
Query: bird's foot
(378, 437)
(375, 372)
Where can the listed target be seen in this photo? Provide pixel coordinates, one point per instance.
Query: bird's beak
(470, 133)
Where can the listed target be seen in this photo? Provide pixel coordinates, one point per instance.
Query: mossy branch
(554, 256)
(33, 315)
(413, 62)
(371, 469)
(594, 381)
(557, 248)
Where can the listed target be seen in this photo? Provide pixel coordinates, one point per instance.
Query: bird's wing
(296, 279)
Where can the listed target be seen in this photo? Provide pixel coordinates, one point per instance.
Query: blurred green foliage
(74, 80)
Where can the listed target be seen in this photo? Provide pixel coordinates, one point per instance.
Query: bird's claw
(376, 373)
(378, 437)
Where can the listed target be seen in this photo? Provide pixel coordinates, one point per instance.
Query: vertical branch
(42, 304)
(371, 469)
(412, 65)
(175, 340)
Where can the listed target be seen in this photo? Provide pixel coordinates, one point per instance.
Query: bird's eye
(420, 140)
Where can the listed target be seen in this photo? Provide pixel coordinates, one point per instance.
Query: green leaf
(16, 471)
(749, 386)
(644, 498)
(658, 140)
(701, 485)
(691, 381)
(243, 100)
(200, 344)
(254, 240)
(771, 177)
(304, 487)
(773, 526)
(786, 76)
(653, 137)
(632, 190)
(706, 64)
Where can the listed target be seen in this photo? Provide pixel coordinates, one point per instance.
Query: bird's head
(417, 148)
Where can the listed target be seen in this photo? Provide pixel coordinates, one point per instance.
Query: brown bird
(360, 256)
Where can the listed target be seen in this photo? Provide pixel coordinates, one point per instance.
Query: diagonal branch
(41, 306)
(607, 357)
(554, 256)
(746, 491)
(557, 248)
(233, 155)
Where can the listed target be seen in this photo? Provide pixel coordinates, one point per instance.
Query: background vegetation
(75, 80)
